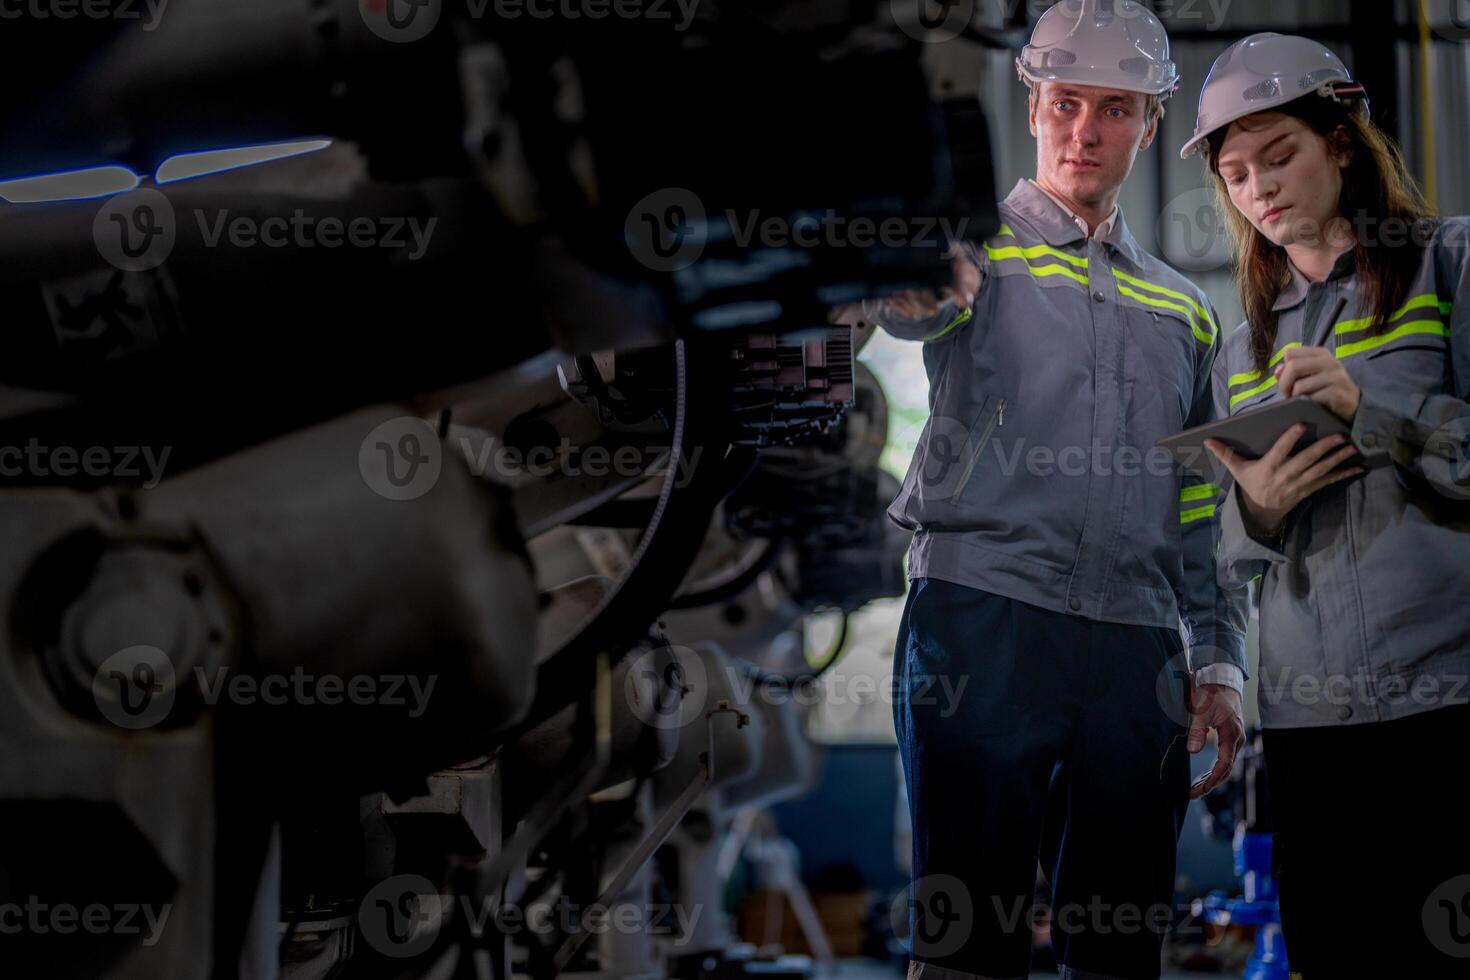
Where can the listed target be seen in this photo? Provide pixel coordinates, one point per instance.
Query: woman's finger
(1328, 465)
(1279, 453)
(1294, 468)
(1310, 383)
(1332, 478)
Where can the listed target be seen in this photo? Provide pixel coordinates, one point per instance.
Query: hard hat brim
(1093, 78)
(1196, 143)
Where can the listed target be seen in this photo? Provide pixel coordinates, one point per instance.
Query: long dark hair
(1376, 187)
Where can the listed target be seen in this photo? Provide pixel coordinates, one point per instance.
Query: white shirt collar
(1104, 230)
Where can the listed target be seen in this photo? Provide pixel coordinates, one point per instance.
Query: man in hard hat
(1043, 705)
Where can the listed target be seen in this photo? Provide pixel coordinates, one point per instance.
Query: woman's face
(1283, 176)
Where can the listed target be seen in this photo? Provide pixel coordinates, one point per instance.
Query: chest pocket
(1159, 359)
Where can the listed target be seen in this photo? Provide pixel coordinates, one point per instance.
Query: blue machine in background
(1241, 810)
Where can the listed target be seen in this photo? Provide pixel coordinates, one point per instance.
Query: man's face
(1087, 138)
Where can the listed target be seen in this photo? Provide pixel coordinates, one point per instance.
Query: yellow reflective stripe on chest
(1249, 376)
(1204, 328)
(1429, 328)
(1039, 270)
(1426, 327)
(1420, 302)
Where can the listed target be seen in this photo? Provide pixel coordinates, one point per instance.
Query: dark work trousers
(1371, 846)
(1031, 734)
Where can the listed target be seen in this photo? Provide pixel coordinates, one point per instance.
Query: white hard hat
(1106, 43)
(1265, 71)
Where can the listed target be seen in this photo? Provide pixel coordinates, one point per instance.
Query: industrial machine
(401, 530)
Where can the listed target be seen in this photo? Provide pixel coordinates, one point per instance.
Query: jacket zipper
(998, 419)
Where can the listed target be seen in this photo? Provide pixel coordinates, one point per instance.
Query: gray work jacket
(1036, 476)
(1363, 600)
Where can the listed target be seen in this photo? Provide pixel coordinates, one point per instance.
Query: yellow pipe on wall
(1426, 106)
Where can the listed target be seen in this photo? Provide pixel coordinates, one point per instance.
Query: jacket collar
(1057, 227)
(1295, 292)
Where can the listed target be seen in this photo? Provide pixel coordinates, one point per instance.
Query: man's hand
(1317, 372)
(919, 304)
(1215, 706)
(1272, 485)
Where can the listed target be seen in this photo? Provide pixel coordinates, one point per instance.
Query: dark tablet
(1252, 433)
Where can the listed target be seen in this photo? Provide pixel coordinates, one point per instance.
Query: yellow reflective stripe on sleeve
(1423, 301)
(1240, 379)
(1210, 328)
(1426, 327)
(1445, 308)
(1200, 491)
(1005, 232)
(1198, 514)
(954, 324)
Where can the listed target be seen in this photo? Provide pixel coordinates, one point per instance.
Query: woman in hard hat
(1358, 298)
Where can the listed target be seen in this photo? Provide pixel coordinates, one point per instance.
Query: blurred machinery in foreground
(1240, 811)
(443, 614)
